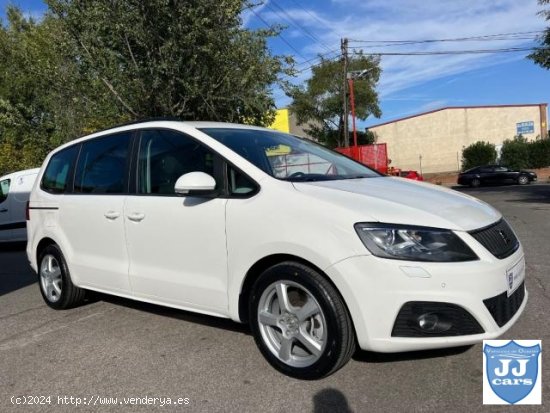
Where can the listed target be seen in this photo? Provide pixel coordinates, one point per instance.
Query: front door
(176, 245)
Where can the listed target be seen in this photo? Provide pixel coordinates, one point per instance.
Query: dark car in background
(495, 175)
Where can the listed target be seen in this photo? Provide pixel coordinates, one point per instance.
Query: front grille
(498, 238)
(461, 321)
(502, 307)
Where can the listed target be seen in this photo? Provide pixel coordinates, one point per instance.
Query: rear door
(5, 213)
(176, 245)
(91, 215)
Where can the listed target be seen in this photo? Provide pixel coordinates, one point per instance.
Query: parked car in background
(414, 175)
(495, 175)
(15, 190)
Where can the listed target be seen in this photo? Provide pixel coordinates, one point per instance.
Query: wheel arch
(44, 242)
(263, 264)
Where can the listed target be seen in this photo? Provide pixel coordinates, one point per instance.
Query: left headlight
(413, 243)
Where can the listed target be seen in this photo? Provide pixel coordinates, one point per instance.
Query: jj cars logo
(512, 372)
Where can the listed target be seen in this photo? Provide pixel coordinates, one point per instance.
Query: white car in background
(318, 253)
(15, 190)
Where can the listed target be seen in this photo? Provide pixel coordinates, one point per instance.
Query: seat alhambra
(318, 253)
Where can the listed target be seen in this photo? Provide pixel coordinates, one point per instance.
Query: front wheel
(475, 183)
(300, 322)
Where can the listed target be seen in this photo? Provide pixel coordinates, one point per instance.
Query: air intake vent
(502, 307)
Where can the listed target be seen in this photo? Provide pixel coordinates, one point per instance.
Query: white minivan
(15, 190)
(318, 253)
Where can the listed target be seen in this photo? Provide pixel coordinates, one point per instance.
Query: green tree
(539, 153)
(478, 153)
(39, 104)
(541, 55)
(515, 153)
(318, 104)
(187, 59)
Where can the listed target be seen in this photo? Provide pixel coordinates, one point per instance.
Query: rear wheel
(55, 280)
(299, 321)
(523, 180)
(474, 183)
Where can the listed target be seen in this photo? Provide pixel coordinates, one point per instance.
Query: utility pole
(344, 47)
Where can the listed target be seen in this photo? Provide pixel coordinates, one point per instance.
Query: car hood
(403, 201)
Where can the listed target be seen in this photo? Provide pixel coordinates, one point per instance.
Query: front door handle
(136, 217)
(112, 215)
(3, 210)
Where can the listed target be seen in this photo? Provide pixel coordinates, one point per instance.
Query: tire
(475, 183)
(523, 180)
(55, 283)
(314, 336)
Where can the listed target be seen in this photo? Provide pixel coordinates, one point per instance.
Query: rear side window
(57, 172)
(4, 190)
(102, 165)
(166, 155)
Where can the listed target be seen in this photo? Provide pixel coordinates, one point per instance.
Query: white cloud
(378, 20)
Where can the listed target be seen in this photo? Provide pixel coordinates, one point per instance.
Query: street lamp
(351, 76)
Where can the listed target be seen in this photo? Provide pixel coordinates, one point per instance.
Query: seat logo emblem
(504, 237)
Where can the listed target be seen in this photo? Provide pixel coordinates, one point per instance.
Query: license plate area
(515, 276)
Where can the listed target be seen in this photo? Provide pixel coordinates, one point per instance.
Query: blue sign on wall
(525, 127)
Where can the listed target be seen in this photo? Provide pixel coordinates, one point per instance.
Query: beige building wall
(433, 141)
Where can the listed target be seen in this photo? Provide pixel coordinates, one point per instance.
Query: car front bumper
(376, 289)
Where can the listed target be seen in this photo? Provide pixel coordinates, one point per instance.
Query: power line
(279, 34)
(308, 12)
(450, 52)
(314, 65)
(295, 23)
(489, 37)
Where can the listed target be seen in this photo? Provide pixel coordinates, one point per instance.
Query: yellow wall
(282, 121)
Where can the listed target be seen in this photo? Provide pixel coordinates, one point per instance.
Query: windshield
(288, 157)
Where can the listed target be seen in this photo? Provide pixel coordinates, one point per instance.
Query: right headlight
(413, 243)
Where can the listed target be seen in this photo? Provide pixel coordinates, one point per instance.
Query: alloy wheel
(50, 278)
(292, 323)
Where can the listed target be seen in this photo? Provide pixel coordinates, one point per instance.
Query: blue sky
(409, 84)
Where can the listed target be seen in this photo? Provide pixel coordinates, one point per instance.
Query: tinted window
(57, 172)
(101, 167)
(240, 184)
(4, 189)
(285, 156)
(166, 155)
(486, 169)
(501, 169)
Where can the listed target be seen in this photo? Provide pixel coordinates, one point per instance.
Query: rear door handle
(136, 217)
(3, 210)
(112, 215)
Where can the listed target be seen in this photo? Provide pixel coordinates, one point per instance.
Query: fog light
(433, 323)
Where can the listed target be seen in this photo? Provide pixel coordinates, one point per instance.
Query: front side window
(4, 189)
(164, 156)
(101, 166)
(287, 157)
(56, 176)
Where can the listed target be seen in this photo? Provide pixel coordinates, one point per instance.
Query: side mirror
(195, 183)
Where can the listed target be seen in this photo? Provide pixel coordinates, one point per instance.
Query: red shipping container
(374, 156)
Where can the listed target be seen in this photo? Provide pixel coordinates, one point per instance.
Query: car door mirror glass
(195, 183)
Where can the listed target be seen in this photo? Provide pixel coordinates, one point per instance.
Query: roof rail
(144, 120)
